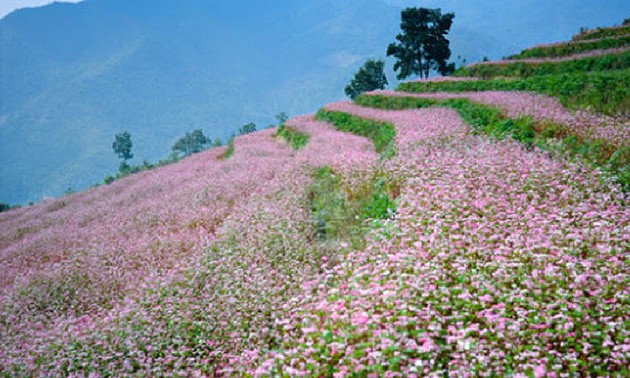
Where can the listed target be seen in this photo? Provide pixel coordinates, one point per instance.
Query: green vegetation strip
(229, 150)
(603, 33)
(294, 138)
(490, 121)
(615, 61)
(607, 92)
(341, 212)
(127, 170)
(382, 134)
(571, 48)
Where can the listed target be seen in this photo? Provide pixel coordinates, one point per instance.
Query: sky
(8, 6)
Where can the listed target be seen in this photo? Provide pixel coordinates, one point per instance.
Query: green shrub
(109, 179)
(6, 207)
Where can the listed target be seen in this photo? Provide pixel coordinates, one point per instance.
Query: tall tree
(422, 46)
(368, 78)
(122, 145)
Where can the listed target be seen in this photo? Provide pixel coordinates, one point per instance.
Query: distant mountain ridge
(75, 74)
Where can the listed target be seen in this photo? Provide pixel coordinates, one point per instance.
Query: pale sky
(8, 6)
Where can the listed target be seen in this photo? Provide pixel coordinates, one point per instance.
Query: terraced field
(476, 230)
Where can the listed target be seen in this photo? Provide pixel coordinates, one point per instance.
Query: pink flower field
(497, 260)
(81, 269)
(500, 261)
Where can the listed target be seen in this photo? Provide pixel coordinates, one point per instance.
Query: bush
(6, 207)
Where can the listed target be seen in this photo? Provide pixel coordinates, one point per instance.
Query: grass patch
(617, 61)
(341, 213)
(546, 135)
(570, 48)
(607, 92)
(294, 138)
(382, 134)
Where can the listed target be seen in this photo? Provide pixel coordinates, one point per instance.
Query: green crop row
(610, 62)
(607, 92)
(574, 47)
(382, 134)
(603, 33)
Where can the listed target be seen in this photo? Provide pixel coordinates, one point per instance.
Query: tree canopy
(247, 128)
(191, 143)
(369, 77)
(423, 45)
(122, 145)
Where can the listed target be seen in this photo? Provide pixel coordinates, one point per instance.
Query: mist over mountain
(73, 75)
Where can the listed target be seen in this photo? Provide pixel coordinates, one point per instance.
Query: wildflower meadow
(434, 230)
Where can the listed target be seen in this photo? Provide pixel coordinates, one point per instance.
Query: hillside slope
(404, 234)
(73, 75)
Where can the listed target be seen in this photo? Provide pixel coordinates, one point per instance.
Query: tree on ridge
(369, 77)
(423, 45)
(191, 143)
(122, 145)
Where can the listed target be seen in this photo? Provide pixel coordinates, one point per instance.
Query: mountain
(73, 75)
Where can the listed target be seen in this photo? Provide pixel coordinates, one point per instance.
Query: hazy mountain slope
(75, 74)
(74, 80)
